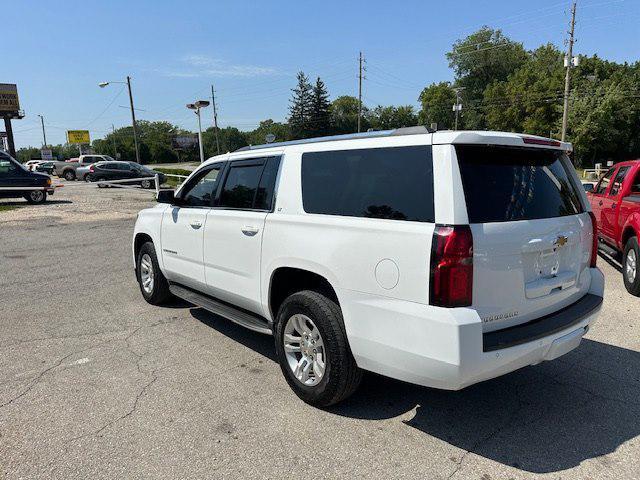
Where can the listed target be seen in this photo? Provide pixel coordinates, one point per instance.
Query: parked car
(105, 171)
(31, 164)
(67, 170)
(14, 176)
(615, 201)
(442, 259)
(45, 167)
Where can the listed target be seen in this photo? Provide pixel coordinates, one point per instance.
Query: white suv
(442, 259)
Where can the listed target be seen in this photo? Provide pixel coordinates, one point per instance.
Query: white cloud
(204, 66)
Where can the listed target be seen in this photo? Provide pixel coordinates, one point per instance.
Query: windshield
(6, 158)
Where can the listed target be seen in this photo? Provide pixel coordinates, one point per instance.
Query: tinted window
(264, 196)
(7, 167)
(203, 189)
(392, 183)
(604, 182)
(617, 181)
(504, 184)
(240, 187)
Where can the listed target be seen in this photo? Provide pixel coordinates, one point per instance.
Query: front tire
(146, 184)
(153, 284)
(69, 175)
(36, 197)
(313, 351)
(630, 272)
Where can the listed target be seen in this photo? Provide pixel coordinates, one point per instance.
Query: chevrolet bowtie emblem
(561, 241)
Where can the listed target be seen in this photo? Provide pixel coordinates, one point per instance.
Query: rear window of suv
(390, 183)
(505, 184)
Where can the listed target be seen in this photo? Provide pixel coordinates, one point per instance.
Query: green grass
(6, 208)
(172, 181)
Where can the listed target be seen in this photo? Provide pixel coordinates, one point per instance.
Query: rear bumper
(446, 348)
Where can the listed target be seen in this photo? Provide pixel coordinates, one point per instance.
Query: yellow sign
(9, 98)
(78, 136)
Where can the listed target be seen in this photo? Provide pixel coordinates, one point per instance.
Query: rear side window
(604, 182)
(505, 184)
(617, 181)
(391, 183)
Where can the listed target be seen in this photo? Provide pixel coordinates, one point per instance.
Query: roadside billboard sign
(46, 154)
(78, 136)
(184, 141)
(9, 102)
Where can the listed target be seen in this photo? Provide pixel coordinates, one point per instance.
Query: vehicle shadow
(541, 419)
(23, 203)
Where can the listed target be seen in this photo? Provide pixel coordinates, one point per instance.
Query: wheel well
(627, 234)
(287, 280)
(140, 240)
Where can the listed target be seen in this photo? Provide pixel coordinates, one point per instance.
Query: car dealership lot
(94, 382)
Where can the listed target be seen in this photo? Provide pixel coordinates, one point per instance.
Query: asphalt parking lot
(96, 383)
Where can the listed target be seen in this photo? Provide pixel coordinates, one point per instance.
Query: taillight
(91, 168)
(451, 276)
(594, 243)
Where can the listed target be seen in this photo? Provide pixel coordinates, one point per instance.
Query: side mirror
(166, 196)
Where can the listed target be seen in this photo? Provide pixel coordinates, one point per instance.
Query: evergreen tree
(320, 118)
(300, 107)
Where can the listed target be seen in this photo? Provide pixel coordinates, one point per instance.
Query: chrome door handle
(196, 224)
(250, 231)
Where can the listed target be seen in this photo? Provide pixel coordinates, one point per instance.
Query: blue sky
(57, 52)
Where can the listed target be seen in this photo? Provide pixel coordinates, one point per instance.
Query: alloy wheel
(304, 349)
(630, 266)
(146, 273)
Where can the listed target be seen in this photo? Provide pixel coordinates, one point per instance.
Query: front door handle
(613, 206)
(600, 203)
(250, 231)
(196, 224)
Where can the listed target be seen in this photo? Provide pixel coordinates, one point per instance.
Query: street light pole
(197, 106)
(44, 134)
(133, 114)
(133, 120)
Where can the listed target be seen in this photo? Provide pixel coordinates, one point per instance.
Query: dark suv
(105, 171)
(14, 176)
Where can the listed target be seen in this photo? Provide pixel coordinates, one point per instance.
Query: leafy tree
(386, 118)
(344, 115)
(530, 100)
(266, 127)
(231, 139)
(478, 60)
(320, 117)
(300, 107)
(437, 102)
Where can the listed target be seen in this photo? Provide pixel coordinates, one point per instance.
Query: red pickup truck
(615, 202)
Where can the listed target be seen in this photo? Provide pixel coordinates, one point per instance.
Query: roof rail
(350, 136)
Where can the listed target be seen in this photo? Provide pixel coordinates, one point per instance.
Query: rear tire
(69, 175)
(36, 197)
(340, 376)
(102, 185)
(153, 284)
(630, 273)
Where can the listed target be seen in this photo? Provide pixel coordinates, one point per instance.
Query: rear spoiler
(499, 138)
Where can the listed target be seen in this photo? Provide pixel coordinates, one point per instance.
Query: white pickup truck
(442, 259)
(67, 170)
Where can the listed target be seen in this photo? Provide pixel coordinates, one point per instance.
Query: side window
(241, 185)
(393, 183)
(604, 182)
(635, 186)
(203, 190)
(617, 181)
(266, 188)
(7, 168)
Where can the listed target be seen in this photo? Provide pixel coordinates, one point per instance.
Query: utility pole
(570, 63)
(113, 137)
(10, 143)
(133, 120)
(44, 134)
(458, 106)
(215, 119)
(361, 68)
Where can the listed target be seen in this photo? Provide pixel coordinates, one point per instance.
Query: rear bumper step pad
(543, 326)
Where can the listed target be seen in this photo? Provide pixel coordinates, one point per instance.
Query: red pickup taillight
(91, 168)
(594, 244)
(451, 273)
